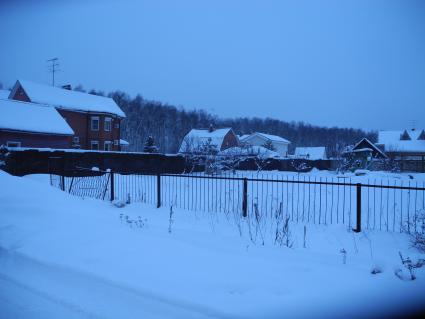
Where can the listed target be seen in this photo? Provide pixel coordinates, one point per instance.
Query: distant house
(95, 120)
(24, 124)
(311, 153)
(407, 144)
(368, 149)
(206, 141)
(279, 144)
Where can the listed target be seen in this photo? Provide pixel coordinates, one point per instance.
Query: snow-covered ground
(62, 256)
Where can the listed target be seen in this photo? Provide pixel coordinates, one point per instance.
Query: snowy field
(62, 256)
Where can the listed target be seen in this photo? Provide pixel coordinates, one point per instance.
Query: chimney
(67, 87)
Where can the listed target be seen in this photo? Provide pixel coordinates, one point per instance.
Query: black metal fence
(374, 204)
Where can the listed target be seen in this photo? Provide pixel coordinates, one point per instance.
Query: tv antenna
(53, 68)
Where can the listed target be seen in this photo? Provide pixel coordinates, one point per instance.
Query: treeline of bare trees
(168, 125)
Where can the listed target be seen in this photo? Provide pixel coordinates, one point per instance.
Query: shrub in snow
(170, 221)
(410, 266)
(283, 234)
(343, 252)
(118, 203)
(417, 236)
(376, 270)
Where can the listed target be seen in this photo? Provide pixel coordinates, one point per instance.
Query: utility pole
(53, 67)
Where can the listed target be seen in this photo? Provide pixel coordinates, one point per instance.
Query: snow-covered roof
(249, 151)
(197, 138)
(372, 147)
(392, 141)
(68, 99)
(243, 137)
(124, 142)
(4, 94)
(273, 138)
(312, 153)
(31, 117)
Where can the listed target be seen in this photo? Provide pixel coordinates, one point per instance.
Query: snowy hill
(67, 257)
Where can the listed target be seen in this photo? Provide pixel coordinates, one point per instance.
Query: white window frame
(76, 140)
(109, 121)
(107, 143)
(18, 144)
(94, 142)
(116, 142)
(117, 125)
(92, 119)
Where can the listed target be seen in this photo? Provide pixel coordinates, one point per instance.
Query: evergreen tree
(150, 145)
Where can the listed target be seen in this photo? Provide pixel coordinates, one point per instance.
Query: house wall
(81, 125)
(35, 139)
(280, 148)
(229, 140)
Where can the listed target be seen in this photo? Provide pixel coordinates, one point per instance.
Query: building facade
(95, 120)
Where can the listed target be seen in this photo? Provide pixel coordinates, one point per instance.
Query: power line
(53, 68)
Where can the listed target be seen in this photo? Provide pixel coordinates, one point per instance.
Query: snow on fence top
(259, 151)
(196, 139)
(68, 99)
(312, 153)
(404, 141)
(30, 117)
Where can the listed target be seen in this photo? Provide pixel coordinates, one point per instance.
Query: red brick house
(208, 140)
(95, 120)
(25, 124)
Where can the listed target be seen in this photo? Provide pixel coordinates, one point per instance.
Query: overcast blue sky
(357, 63)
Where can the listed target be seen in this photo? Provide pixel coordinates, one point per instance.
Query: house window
(94, 145)
(95, 123)
(116, 142)
(117, 125)
(13, 144)
(107, 125)
(76, 140)
(108, 146)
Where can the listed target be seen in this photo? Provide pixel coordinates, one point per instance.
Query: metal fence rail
(389, 206)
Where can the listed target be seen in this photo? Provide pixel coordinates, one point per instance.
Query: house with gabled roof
(95, 120)
(403, 144)
(276, 143)
(24, 124)
(208, 141)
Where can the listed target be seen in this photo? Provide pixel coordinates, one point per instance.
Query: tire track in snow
(90, 296)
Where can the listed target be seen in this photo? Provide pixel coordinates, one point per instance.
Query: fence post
(63, 182)
(112, 185)
(359, 208)
(158, 190)
(245, 198)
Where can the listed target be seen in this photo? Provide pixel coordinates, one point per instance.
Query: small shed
(207, 141)
(275, 143)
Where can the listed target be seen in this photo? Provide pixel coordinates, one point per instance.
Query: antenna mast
(53, 68)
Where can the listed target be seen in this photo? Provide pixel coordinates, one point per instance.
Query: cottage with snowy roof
(407, 144)
(208, 141)
(24, 124)
(95, 120)
(273, 142)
